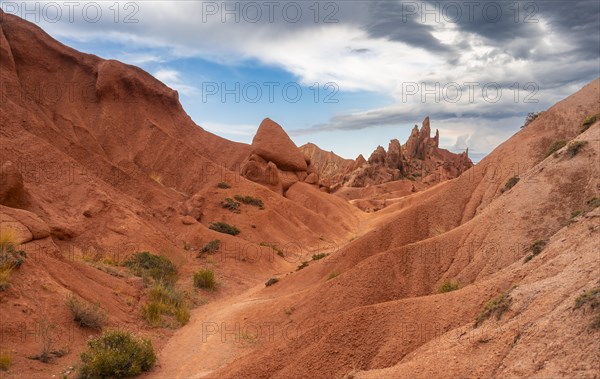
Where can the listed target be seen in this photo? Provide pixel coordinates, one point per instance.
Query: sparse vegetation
(47, 339)
(5, 361)
(318, 256)
(205, 278)
(585, 125)
(557, 145)
(231, 205)
(165, 300)
(152, 267)
(535, 249)
(302, 265)
(156, 177)
(593, 203)
(222, 227)
(510, 183)
(590, 298)
(249, 200)
(85, 314)
(271, 281)
(576, 213)
(333, 275)
(117, 354)
(531, 117)
(11, 258)
(274, 247)
(223, 185)
(211, 247)
(575, 147)
(495, 307)
(449, 286)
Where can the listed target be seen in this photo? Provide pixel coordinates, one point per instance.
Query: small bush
(271, 281)
(576, 213)
(222, 227)
(5, 360)
(449, 286)
(510, 183)
(591, 297)
(495, 307)
(87, 315)
(593, 203)
(249, 200)
(156, 177)
(318, 256)
(555, 147)
(11, 258)
(302, 265)
(575, 147)
(535, 249)
(205, 278)
(231, 205)
(333, 275)
(274, 247)
(223, 185)
(585, 125)
(151, 266)
(117, 354)
(211, 247)
(531, 117)
(165, 300)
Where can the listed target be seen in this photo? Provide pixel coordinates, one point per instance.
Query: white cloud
(172, 78)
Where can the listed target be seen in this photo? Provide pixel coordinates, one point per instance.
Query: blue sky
(372, 62)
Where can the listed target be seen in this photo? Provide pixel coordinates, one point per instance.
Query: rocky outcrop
(276, 162)
(420, 158)
(273, 144)
(12, 190)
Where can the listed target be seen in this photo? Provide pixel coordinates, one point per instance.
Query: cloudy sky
(346, 75)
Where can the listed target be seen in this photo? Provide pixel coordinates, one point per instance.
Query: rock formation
(275, 161)
(420, 158)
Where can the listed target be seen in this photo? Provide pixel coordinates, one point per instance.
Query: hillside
(113, 166)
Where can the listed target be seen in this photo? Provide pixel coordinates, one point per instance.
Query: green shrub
(510, 183)
(205, 278)
(302, 265)
(531, 117)
(318, 256)
(165, 300)
(117, 354)
(11, 258)
(5, 361)
(223, 185)
(333, 275)
(152, 267)
(495, 307)
(211, 247)
(585, 125)
(575, 147)
(86, 314)
(535, 249)
(449, 286)
(222, 227)
(271, 281)
(555, 147)
(591, 297)
(231, 205)
(576, 213)
(593, 203)
(274, 247)
(250, 201)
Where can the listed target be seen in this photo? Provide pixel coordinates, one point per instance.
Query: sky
(346, 75)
